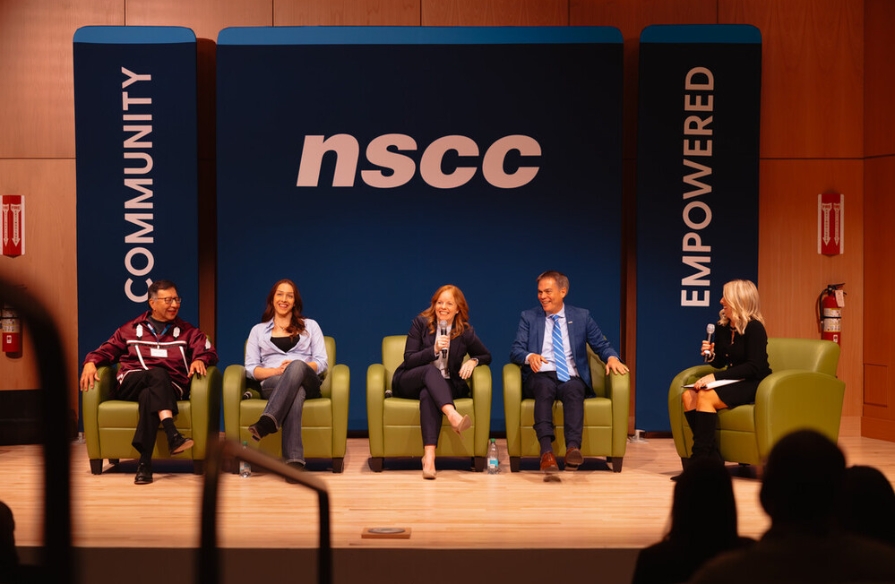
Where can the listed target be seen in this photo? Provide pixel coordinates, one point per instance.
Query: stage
(464, 526)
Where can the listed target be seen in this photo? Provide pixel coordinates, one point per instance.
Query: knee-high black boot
(691, 421)
(704, 435)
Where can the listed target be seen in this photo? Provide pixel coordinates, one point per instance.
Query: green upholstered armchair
(394, 423)
(324, 420)
(802, 392)
(109, 424)
(605, 430)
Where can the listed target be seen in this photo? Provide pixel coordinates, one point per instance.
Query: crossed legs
(286, 395)
(432, 389)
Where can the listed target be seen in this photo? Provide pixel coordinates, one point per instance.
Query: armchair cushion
(324, 420)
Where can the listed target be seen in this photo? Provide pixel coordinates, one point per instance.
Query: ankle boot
(704, 435)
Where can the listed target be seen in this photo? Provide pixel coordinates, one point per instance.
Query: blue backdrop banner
(697, 193)
(135, 136)
(372, 165)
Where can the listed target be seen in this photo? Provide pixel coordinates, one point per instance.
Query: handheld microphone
(709, 335)
(443, 325)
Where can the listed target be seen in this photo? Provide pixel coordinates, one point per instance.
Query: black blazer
(420, 352)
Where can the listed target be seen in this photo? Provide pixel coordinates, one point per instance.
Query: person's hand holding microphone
(708, 354)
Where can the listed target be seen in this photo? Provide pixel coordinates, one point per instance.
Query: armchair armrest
(234, 386)
(788, 400)
(205, 402)
(90, 400)
(676, 408)
(340, 378)
(512, 407)
(376, 384)
(481, 400)
(618, 390)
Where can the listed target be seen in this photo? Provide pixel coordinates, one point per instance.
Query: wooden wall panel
(812, 75)
(495, 12)
(48, 269)
(879, 82)
(36, 73)
(347, 13)
(879, 174)
(790, 271)
(879, 348)
(206, 18)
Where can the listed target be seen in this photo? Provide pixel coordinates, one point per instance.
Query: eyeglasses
(169, 299)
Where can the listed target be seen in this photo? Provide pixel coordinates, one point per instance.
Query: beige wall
(814, 94)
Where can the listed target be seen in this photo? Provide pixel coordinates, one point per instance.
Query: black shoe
(297, 466)
(264, 426)
(178, 444)
(144, 474)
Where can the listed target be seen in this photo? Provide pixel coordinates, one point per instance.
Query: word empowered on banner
(697, 193)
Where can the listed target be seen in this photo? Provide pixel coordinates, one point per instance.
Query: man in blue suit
(552, 372)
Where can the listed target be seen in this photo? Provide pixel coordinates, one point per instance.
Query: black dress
(745, 357)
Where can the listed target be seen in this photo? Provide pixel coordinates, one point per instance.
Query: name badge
(159, 352)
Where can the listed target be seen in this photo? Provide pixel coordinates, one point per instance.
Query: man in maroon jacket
(157, 354)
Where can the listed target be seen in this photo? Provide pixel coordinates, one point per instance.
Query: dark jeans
(545, 389)
(427, 384)
(153, 390)
(286, 396)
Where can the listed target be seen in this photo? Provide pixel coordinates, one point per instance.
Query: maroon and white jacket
(137, 346)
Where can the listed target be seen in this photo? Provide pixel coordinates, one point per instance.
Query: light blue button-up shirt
(261, 352)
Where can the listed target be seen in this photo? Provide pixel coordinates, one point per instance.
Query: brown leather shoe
(548, 463)
(574, 458)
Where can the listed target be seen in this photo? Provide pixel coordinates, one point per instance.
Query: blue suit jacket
(583, 331)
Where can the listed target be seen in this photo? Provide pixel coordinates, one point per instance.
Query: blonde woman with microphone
(433, 370)
(740, 355)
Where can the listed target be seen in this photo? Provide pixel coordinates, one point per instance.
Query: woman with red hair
(433, 370)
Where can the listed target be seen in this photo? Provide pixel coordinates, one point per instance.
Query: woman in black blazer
(433, 370)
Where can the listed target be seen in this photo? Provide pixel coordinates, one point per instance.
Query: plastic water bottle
(245, 469)
(493, 458)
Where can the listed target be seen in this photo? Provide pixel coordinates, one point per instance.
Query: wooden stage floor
(592, 521)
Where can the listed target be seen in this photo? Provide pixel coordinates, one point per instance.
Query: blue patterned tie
(559, 351)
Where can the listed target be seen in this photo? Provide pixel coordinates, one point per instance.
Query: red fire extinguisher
(12, 330)
(829, 312)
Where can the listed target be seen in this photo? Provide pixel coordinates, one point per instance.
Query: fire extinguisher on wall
(829, 312)
(12, 331)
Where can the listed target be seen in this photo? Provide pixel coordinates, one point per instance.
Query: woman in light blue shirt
(286, 353)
